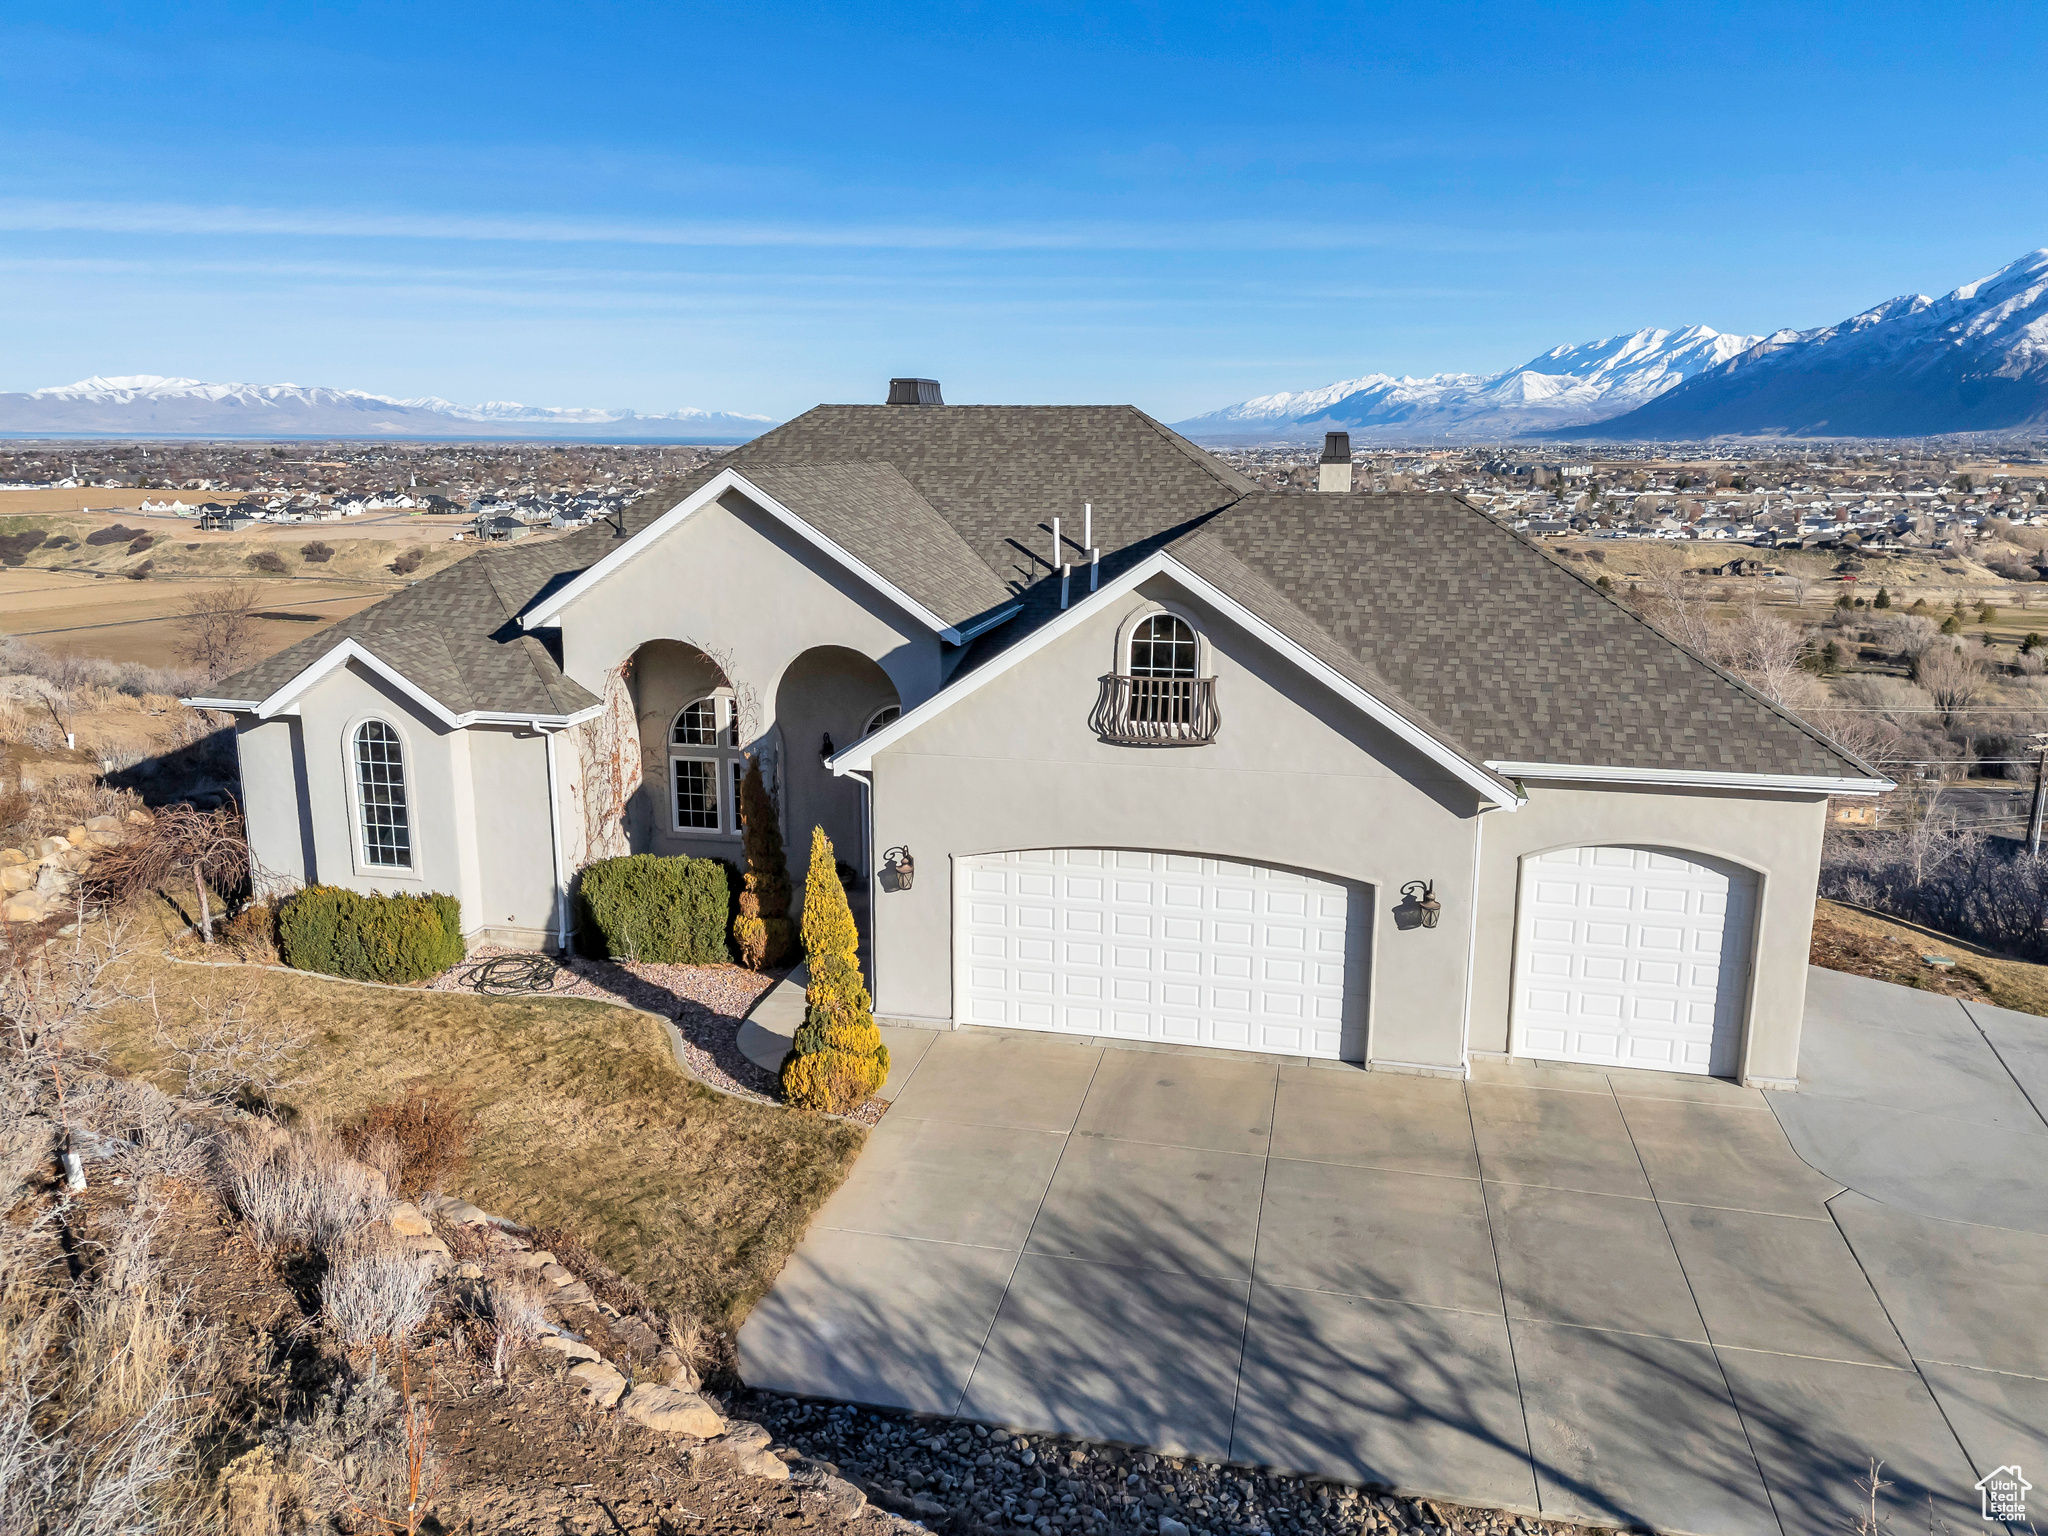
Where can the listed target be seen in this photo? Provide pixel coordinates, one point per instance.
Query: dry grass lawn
(2016, 984)
(583, 1120)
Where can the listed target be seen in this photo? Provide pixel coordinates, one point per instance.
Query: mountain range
(1974, 360)
(144, 405)
(1563, 387)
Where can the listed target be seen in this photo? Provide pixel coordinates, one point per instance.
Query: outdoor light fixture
(898, 862)
(1423, 894)
(825, 747)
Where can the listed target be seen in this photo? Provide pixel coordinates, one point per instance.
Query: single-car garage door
(1633, 957)
(1161, 946)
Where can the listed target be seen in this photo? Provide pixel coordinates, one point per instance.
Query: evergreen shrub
(340, 932)
(838, 1061)
(761, 931)
(661, 909)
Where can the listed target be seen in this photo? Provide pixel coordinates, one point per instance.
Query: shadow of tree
(1485, 1407)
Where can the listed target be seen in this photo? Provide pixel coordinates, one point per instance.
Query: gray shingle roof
(456, 634)
(869, 509)
(1468, 630)
(1507, 654)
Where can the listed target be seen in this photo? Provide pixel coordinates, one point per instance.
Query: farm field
(70, 582)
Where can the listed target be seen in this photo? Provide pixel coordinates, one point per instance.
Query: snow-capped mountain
(1565, 386)
(1975, 360)
(144, 405)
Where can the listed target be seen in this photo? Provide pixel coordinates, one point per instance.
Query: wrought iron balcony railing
(1157, 711)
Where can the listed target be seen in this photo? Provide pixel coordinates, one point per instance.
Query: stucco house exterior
(1118, 744)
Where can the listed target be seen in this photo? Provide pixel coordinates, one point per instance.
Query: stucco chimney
(1334, 470)
(914, 392)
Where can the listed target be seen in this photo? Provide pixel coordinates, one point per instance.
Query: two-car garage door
(1633, 957)
(1162, 946)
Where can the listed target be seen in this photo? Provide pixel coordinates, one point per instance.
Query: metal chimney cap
(1336, 448)
(914, 392)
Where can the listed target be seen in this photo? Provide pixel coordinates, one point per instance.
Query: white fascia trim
(861, 754)
(237, 705)
(1686, 778)
(285, 700)
(732, 480)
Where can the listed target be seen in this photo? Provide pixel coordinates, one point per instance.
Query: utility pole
(2040, 791)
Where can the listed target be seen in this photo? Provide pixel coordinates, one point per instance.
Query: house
(1117, 743)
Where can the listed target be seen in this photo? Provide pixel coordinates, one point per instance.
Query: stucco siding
(437, 785)
(515, 853)
(274, 802)
(1296, 778)
(1777, 836)
(730, 580)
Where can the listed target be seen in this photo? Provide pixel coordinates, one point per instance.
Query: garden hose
(507, 975)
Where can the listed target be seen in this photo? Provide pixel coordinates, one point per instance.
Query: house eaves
(285, 700)
(1687, 778)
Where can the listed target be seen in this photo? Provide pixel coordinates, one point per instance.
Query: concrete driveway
(1624, 1297)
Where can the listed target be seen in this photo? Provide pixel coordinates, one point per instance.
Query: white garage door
(1160, 946)
(1633, 957)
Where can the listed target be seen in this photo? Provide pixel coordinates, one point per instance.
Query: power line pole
(2040, 792)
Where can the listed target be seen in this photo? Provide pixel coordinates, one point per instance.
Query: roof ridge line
(1796, 721)
(1200, 457)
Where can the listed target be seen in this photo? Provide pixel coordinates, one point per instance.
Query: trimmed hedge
(369, 938)
(652, 907)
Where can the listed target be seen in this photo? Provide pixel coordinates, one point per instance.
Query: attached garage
(1633, 957)
(1161, 946)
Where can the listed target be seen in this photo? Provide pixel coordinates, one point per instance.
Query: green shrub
(666, 910)
(370, 938)
(837, 1061)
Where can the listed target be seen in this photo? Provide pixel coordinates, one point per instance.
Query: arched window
(380, 796)
(1163, 645)
(705, 766)
(882, 717)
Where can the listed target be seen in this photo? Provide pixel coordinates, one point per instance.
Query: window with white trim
(380, 796)
(705, 766)
(1163, 645)
(881, 717)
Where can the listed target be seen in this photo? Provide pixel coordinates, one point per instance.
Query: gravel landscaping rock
(969, 1478)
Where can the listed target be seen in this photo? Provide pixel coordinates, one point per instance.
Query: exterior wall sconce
(1420, 895)
(898, 869)
(825, 747)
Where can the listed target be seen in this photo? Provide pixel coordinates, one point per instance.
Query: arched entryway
(694, 734)
(828, 698)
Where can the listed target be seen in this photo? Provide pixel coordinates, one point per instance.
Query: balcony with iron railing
(1156, 711)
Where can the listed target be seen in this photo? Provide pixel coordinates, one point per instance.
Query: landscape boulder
(570, 1349)
(604, 1384)
(17, 877)
(28, 907)
(407, 1221)
(674, 1412)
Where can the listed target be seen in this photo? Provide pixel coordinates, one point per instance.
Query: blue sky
(754, 208)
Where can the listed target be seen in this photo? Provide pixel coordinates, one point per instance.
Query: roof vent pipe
(1334, 469)
(914, 392)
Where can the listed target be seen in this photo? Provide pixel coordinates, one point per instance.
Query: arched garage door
(1161, 946)
(1633, 957)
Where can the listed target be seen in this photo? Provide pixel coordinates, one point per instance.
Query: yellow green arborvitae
(761, 931)
(838, 1061)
